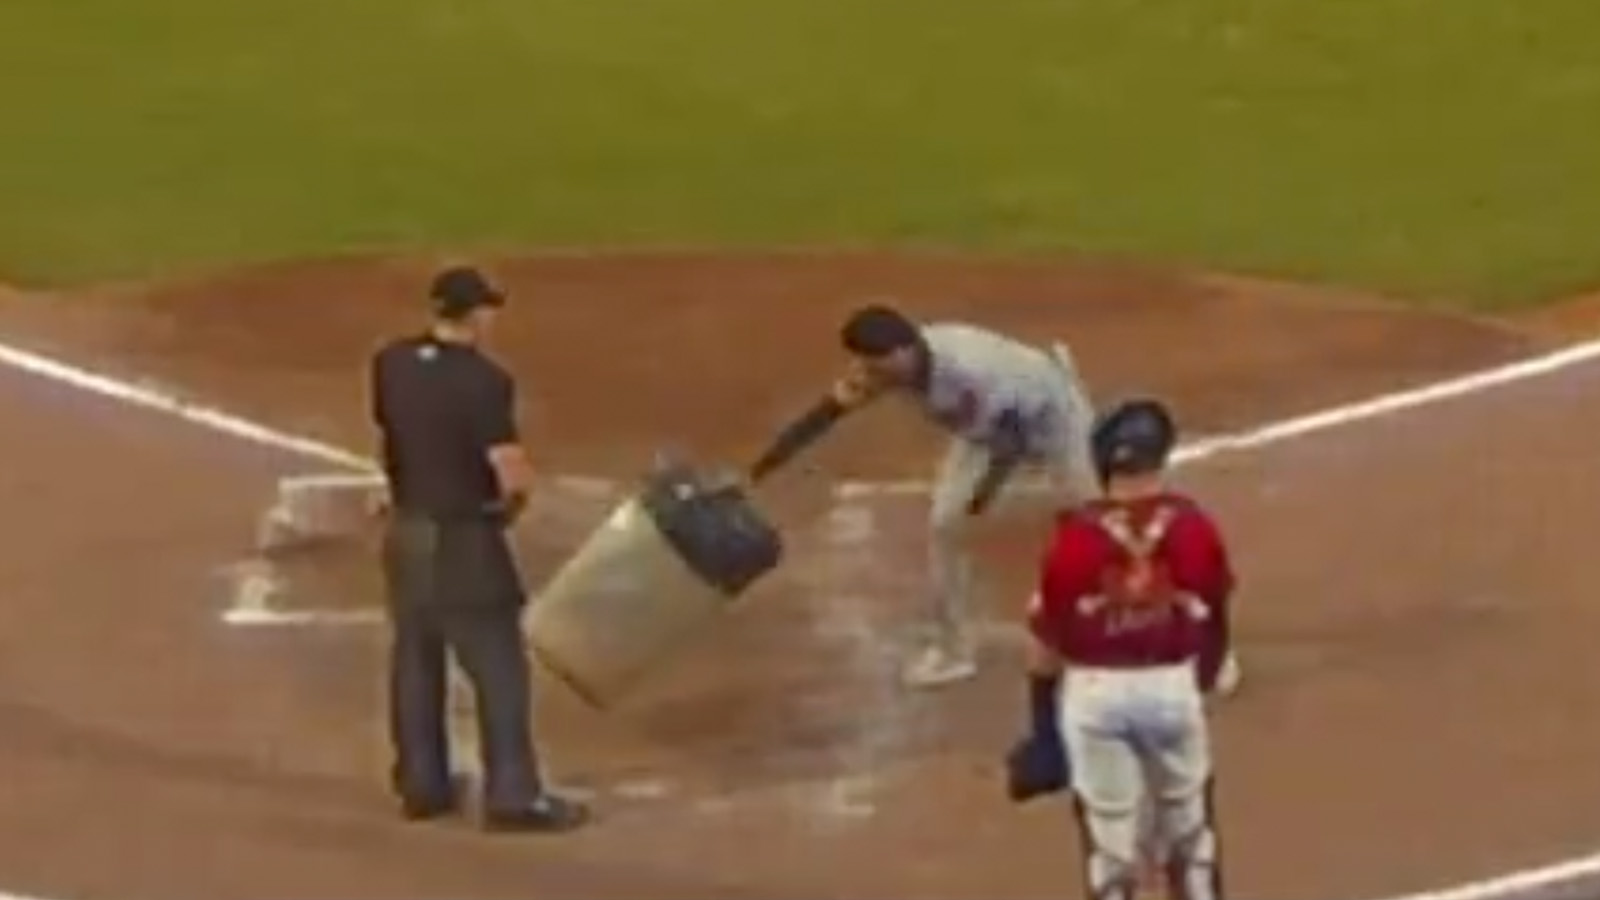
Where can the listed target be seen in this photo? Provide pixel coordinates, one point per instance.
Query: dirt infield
(1576, 318)
(1415, 595)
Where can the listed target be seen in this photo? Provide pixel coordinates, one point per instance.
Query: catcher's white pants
(1139, 746)
(1068, 470)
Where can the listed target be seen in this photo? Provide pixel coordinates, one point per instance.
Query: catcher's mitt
(1035, 767)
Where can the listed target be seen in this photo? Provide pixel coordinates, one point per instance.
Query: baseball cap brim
(460, 290)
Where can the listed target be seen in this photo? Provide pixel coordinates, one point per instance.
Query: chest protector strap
(1143, 546)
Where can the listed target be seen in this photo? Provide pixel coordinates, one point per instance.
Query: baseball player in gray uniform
(1005, 405)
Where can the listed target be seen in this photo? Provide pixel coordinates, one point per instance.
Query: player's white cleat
(937, 666)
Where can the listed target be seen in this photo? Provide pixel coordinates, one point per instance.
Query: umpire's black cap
(459, 290)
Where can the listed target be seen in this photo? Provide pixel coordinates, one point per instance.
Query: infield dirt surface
(1415, 623)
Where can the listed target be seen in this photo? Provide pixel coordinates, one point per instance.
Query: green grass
(1445, 149)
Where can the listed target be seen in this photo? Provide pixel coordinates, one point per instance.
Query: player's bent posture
(1125, 645)
(1005, 405)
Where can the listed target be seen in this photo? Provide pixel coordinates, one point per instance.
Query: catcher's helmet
(1133, 436)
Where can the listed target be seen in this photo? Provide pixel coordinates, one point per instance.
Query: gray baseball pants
(1069, 478)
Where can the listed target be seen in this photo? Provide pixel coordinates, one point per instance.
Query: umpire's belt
(487, 514)
(461, 559)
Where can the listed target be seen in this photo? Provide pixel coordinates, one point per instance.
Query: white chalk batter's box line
(1507, 886)
(577, 485)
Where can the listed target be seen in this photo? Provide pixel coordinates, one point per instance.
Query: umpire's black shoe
(548, 814)
(422, 807)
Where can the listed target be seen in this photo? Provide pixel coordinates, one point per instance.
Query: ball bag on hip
(663, 565)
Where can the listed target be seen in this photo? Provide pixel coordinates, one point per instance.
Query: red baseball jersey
(1131, 584)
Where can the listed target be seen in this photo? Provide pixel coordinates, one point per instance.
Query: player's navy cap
(878, 329)
(458, 290)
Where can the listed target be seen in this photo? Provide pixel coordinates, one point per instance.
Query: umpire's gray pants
(453, 589)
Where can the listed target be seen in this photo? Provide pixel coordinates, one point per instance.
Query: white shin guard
(1111, 852)
(1193, 857)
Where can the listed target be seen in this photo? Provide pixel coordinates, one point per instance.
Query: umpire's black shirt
(439, 407)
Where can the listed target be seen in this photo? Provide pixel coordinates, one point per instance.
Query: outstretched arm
(848, 393)
(1006, 450)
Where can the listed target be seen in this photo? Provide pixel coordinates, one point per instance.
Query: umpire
(458, 477)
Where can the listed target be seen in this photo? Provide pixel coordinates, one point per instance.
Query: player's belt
(1112, 659)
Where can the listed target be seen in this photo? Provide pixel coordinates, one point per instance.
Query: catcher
(1128, 605)
(1005, 405)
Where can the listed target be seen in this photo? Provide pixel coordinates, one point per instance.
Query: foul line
(205, 416)
(362, 469)
(1311, 423)
(226, 423)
